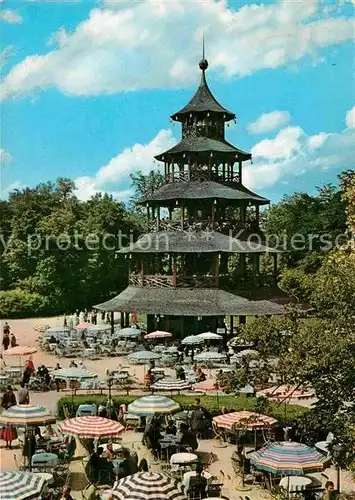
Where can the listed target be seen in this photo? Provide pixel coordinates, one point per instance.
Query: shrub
(22, 304)
(285, 414)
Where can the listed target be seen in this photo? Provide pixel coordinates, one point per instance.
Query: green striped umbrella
(18, 485)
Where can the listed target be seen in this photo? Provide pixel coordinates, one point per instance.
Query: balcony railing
(201, 225)
(200, 175)
(170, 281)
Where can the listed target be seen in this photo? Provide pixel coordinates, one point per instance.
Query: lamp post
(109, 385)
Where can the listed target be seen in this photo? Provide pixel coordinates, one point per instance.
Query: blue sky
(88, 88)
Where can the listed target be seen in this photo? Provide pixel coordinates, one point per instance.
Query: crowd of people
(8, 338)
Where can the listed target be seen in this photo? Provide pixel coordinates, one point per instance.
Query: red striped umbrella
(243, 420)
(158, 335)
(83, 326)
(20, 350)
(91, 427)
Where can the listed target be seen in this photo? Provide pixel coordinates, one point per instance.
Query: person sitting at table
(72, 364)
(130, 463)
(197, 418)
(329, 493)
(66, 493)
(109, 453)
(143, 465)
(52, 340)
(188, 439)
(196, 483)
(152, 436)
(171, 428)
(200, 376)
(29, 364)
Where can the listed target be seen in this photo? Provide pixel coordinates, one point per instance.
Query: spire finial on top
(203, 63)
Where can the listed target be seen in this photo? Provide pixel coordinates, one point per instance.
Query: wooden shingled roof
(187, 302)
(203, 145)
(204, 190)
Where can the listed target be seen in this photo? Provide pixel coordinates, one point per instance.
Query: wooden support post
(242, 263)
(216, 270)
(232, 325)
(240, 172)
(257, 215)
(122, 319)
(242, 320)
(126, 319)
(174, 272)
(142, 272)
(182, 216)
(112, 322)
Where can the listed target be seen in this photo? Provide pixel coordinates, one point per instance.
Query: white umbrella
(209, 336)
(192, 339)
(128, 333)
(246, 352)
(144, 356)
(209, 356)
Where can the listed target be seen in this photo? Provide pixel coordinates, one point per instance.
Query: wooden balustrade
(167, 281)
(202, 174)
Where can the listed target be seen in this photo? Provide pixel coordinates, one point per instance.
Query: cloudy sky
(88, 87)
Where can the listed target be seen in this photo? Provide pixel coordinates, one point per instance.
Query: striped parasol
(191, 340)
(91, 427)
(126, 333)
(170, 384)
(209, 336)
(243, 420)
(149, 405)
(288, 458)
(146, 486)
(210, 357)
(18, 485)
(20, 350)
(72, 374)
(83, 326)
(26, 415)
(158, 334)
(144, 356)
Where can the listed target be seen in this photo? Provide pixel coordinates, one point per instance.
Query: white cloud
(269, 121)
(350, 118)
(153, 44)
(112, 176)
(5, 157)
(282, 147)
(317, 141)
(10, 16)
(6, 191)
(292, 153)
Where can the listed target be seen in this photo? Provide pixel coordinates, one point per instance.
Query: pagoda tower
(200, 258)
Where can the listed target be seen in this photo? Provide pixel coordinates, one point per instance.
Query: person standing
(56, 380)
(13, 340)
(23, 395)
(8, 434)
(329, 493)
(6, 341)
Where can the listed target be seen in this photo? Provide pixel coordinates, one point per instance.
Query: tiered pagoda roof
(203, 100)
(188, 302)
(190, 190)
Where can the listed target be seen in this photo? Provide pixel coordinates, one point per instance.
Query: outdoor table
(3, 379)
(183, 458)
(48, 478)
(89, 352)
(52, 346)
(291, 483)
(13, 370)
(44, 460)
(322, 446)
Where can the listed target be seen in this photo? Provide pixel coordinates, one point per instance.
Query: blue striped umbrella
(73, 374)
(149, 405)
(17, 485)
(288, 458)
(210, 357)
(170, 384)
(127, 333)
(26, 415)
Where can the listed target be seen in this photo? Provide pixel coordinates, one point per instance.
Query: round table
(291, 483)
(48, 478)
(183, 458)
